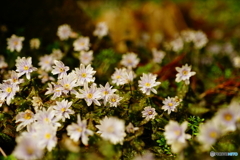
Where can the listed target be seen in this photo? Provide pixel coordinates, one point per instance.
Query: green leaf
(10, 157)
(144, 69)
(228, 73)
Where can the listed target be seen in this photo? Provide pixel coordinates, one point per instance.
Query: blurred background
(128, 21)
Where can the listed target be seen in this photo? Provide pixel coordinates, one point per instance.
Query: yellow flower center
(129, 61)
(47, 135)
(57, 90)
(118, 77)
(150, 112)
(81, 43)
(63, 109)
(185, 72)
(29, 150)
(90, 95)
(213, 134)
(177, 132)
(27, 116)
(61, 70)
(67, 86)
(84, 75)
(79, 129)
(228, 117)
(110, 129)
(105, 92)
(147, 84)
(26, 68)
(46, 119)
(177, 99)
(113, 100)
(15, 43)
(170, 104)
(8, 89)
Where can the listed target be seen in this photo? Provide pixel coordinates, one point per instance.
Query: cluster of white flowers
(224, 121)
(64, 83)
(122, 76)
(197, 38)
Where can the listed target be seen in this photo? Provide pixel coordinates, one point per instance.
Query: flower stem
(3, 153)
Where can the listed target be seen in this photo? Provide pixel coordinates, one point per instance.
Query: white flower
(86, 57)
(79, 129)
(114, 100)
(56, 90)
(81, 43)
(200, 40)
(147, 82)
(62, 109)
(149, 113)
(106, 91)
(208, 134)
(177, 44)
(24, 66)
(91, 95)
(101, 30)
(25, 118)
(3, 64)
(47, 137)
(227, 117)
(8, 91)
(57, 54)
(158, 55)
(64, 31)
(14, 78)
(128, 76)
(46, 62)
(184, 74)
(68, 83)
(47, 117)
(112, 129)
(60, 69)
(188, 35)
(119, 76)
(175, 135)
(15, 43)
(34, 43)
(170, 104)
(84, 75)
(130, 60)
(27, 148)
